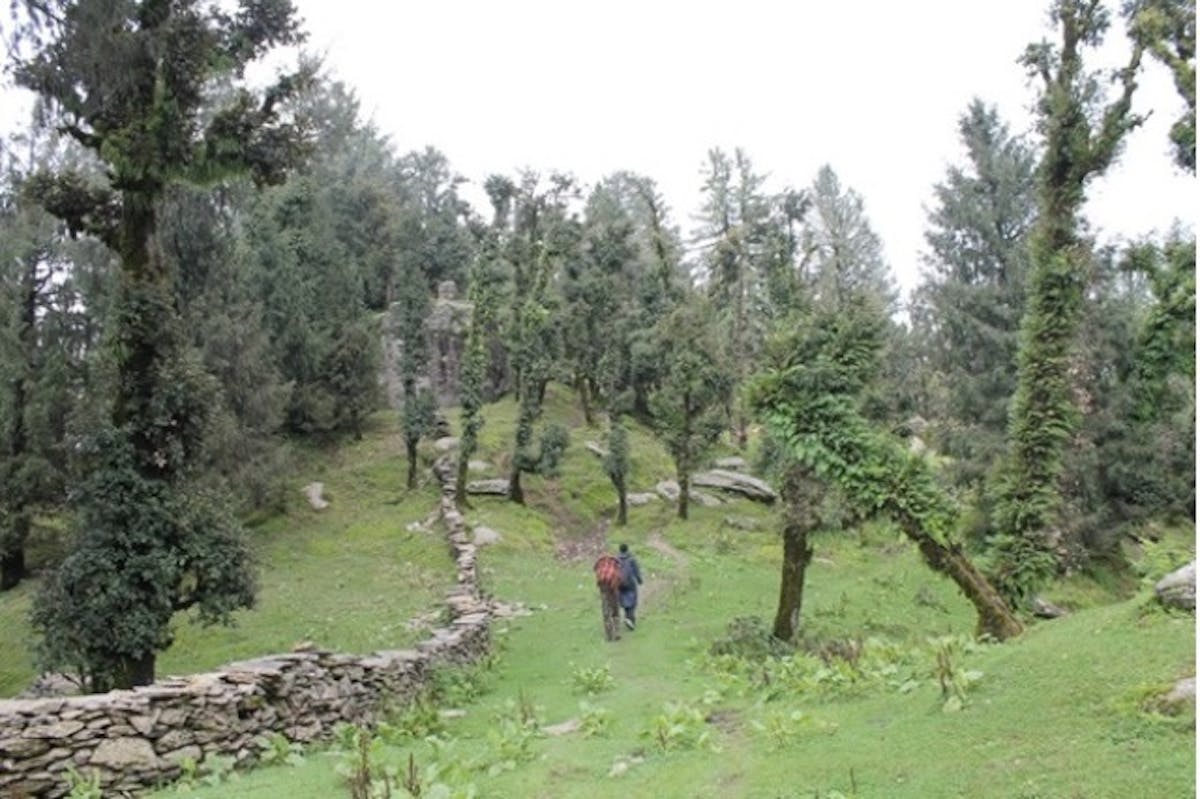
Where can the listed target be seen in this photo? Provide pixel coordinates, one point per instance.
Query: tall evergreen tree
(130, 82)
(733, 220)
(968, 308)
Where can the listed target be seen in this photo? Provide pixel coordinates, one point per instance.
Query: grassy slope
(348, 577)
(1054, 715)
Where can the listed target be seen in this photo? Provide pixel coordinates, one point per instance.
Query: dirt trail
(664, 583)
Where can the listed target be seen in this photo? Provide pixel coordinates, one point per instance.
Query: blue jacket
(631, 579)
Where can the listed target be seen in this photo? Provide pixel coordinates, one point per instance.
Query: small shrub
(84, 787)
(952, 678)
(459, 686)
(594, 721)
(749, 637)
(366, 777)
(277, 750)
(678, 727)
(783, 729)
(592, 681)
(418, 719)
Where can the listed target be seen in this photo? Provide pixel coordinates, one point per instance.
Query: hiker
(631, 578)
(608, 581)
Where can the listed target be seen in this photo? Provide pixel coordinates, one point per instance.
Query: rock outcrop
(735, 483)
(1178, 589)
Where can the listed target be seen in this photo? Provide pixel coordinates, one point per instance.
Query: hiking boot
(629, 623)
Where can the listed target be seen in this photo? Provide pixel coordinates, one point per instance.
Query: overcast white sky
(873, 88)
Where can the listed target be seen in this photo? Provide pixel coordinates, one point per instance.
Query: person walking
(631, 578)
(608, 582)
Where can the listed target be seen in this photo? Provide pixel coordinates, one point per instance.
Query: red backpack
(608, 572)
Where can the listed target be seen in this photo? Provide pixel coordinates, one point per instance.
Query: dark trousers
(610, 610)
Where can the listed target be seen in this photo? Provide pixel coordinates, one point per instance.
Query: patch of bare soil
(587, 547)
(655, 588)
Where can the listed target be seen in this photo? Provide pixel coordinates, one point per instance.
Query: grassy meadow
(889, 697)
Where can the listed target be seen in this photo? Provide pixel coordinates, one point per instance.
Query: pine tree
(969, 306)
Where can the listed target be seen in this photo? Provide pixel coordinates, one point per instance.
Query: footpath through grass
(893, 699)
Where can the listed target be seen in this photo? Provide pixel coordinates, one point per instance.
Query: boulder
(446, 444)
(478, 466)
(1181, 697)
(595, 449)
(314, 492)
(705, 499)
(1178, 589)
(741, 523)
(735, 483)
(638, 500)
(497, 487)
(667, 489)
(1045, 609)
(733, 462)
(485, 535)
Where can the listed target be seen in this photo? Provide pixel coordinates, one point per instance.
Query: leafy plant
(953, 679)
(277, 750)
(749, 637)
(84, 787)
(592, 681)
(678, 727)
(417, 719)
(594, 720)
(360, 766)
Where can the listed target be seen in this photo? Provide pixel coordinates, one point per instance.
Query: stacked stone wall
(138, 738)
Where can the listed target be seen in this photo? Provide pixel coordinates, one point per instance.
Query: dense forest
(198, 275)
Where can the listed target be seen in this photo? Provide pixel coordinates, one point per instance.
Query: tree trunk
(514, 487)
(585, 399)
(994, 616)
(410, 446)
(797, 553)
(622, 504)
(12, 567)
(16, 505)
(136, 671)
(460, 481)
(683, 494)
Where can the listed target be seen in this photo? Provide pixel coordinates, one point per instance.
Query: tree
(1167, 30)
(542, 238)
(409, 313)
(27, 267)
(484, 297)
(808, 397)
(968, 308)
(733, 220)
(847, 254)
(687, 406)
(130, 82)
(1082, 137)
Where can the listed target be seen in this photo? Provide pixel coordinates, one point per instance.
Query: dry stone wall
(138, 738)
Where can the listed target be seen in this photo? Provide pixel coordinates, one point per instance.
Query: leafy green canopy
(135, 83)
(809, 397)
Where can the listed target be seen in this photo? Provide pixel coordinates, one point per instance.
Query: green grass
(348, 577)
(1055, 713)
